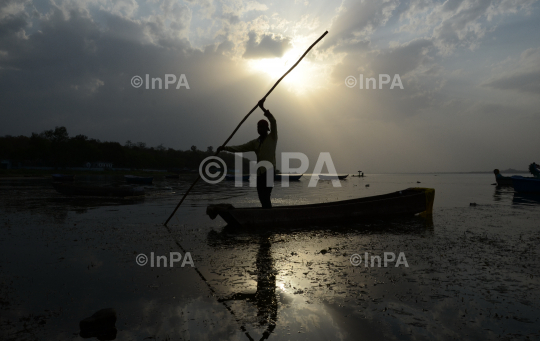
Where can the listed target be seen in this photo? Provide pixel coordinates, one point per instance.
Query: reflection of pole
(242, 328)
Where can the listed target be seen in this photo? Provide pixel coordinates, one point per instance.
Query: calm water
(472, 274)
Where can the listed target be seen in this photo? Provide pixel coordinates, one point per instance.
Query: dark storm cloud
(269, 46)
(12, 24)
(76, 71)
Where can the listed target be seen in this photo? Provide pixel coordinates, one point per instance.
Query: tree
(193, 148)
(210, 150)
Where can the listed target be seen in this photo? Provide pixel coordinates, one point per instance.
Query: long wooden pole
(245, 118)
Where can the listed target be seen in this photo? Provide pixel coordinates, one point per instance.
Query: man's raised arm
(271, 118)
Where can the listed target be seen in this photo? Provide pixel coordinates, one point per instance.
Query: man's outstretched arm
(243, 148)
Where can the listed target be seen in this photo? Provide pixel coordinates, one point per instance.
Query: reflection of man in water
(265, 296)
(265, 148)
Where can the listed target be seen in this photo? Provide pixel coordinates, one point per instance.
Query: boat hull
(75, 189)
(407, 202)
(504, 181)
(526, 185)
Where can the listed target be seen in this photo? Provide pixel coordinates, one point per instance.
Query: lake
(473, 271)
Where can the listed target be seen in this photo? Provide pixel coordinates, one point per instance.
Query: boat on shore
(410, 201)
(333, 176)
(132, 179)
(102, 191)
(525, 184)
(63, 177)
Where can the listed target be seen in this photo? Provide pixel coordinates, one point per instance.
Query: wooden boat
(77, 189)
(63, 177)
(333, 176)
(526, 185)
(407, 202)
(132, 179)
(504, 181)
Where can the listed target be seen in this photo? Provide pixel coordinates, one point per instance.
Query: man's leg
(264, 191)
(266, 197)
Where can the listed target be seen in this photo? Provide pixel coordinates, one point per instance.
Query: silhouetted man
(265, 148)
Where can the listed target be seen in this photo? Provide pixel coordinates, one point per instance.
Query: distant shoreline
(511, 171)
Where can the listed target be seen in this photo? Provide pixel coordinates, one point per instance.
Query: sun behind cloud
(306, 76)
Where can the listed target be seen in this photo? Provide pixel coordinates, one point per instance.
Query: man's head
(262, 127)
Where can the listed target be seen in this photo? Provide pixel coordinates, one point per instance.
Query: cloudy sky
(470, 71)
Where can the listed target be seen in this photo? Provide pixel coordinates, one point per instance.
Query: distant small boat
(407, 202)
(232, 177)
(77, 189)
(132, 179)
(527, 185)
(333, 176)
(63, 177)
(292, 177)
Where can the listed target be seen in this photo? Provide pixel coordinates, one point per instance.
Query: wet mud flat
(472, 273)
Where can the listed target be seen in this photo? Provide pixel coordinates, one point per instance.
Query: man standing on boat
(265, 148)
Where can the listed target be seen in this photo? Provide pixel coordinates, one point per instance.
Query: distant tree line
(55, 148)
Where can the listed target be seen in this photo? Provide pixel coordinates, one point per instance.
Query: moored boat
(407, 202)
(333, 176)
(78, 189)
(525, 184)
(63, 177)
(132, 179)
